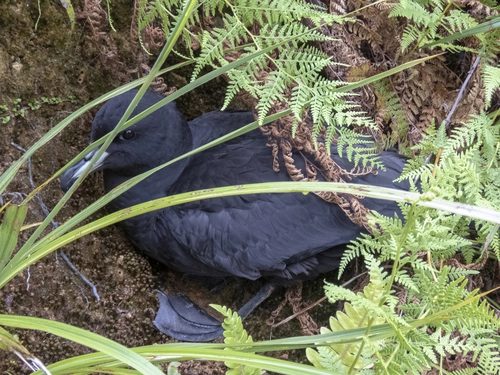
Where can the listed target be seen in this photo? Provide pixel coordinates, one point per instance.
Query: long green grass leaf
(89, 339)
(181, 22)
(51, 243)
(390, 72)
(13, 220)
(123, 124)
(7, 176)
(481, 28)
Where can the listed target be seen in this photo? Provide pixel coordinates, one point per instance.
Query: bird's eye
(127, 135)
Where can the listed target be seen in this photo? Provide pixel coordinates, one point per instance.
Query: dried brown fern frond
(477, 8)
(338, 7)
(386, 5)
(363, 32)
(97, 22)
(286, 148)
(427, 92)
(152, 38)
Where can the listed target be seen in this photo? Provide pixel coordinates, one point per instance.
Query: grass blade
(9, 231)
(481, 28)
(50, 243)
(89, 339)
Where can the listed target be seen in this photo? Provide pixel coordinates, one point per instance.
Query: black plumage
(281, 237)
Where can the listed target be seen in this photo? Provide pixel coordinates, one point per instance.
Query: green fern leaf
(491, 78)
(234, 333)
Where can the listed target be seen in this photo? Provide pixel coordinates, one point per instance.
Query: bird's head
(156, 139)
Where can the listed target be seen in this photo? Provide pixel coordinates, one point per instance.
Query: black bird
(282, 238)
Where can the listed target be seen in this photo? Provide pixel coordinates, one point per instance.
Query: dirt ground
(67, 68)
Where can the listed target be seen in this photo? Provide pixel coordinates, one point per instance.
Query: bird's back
(281, 236)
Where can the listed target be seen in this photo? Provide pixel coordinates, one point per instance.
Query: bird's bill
(71, 175)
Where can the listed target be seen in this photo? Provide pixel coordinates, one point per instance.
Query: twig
(82, 276)
(15, 196)
(32, 362)
(55, 225)
(490, 237)
(462, 89)
(447, 120)
(315, 303)
(28, 279)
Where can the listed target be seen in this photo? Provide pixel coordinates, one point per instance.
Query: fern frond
(271, 91)
(213, 43)
(362, 310)
(491, 79)
(414, 11)
(391, 110)
(457, 20)
(465, 371)
(428, 18)
(234, 333)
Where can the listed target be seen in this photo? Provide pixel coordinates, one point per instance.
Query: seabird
(282, 238)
